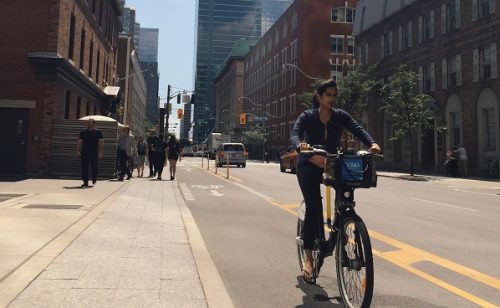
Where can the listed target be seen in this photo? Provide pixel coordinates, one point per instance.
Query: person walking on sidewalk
(124, 151)
(173, 153)
(89, 148)
(462, 161)
(141, 156)
(159, 148)
(151, 140)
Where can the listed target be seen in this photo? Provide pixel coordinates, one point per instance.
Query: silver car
(234, 152)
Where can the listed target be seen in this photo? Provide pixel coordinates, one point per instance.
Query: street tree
(254, 138)
(410, 112)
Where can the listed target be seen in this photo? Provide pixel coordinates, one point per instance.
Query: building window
(350, 45)
(428, 26)
(450, 16)
(455, 128)
(95, 109)
(386, 43)
(67, 105)
(294, 21)
(93, 6)
(483, 9)
(82, 49)
(78, 107)
(489, 128)
(336, 72)
(72, 37)
(343, 14)
(87, 108)
(101, 9)
(485, 58)
(98, 66)
(404, 37)
(91, 58)
(428, 78)
(337, 44)
(452, 72)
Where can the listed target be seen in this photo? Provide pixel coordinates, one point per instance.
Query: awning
(111, 91)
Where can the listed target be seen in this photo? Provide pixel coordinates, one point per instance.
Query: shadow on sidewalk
(316, 296)
(77, 187)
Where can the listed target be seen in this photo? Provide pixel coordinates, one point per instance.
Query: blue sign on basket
(352, 169)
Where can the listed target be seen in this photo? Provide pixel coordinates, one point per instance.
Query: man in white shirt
(462, 161)
(125, 146)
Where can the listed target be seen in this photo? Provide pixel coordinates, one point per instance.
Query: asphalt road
(435, 243)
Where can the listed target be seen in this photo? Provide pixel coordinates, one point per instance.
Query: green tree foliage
(409, 112)
(254, 135)
(354, 87)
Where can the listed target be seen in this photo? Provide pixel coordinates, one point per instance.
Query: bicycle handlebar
(320, 150)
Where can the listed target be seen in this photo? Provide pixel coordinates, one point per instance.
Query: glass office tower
(220, 23)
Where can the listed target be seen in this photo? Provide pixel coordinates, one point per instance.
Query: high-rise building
(220, 24)
(186, 122)
(148, 44)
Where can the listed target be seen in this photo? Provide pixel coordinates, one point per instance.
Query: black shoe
(171, 178)
(93, 182)
(120, 179)
(128, 177)
(159, 178)
(85, 185)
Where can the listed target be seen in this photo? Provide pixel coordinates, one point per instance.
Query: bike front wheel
(354, 260)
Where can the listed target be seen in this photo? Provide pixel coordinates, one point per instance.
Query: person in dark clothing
(89, 148)
(151, 140)
(159, 147)
(322, 125)
(173, 154)
(125, 150)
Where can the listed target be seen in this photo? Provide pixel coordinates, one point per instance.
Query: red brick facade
(38, 73)
(302, 38)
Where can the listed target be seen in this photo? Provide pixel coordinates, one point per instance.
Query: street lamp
(298, 68)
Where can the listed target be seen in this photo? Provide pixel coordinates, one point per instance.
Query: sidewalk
(142, 249)
(466, 182)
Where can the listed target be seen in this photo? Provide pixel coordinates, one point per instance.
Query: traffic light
(243, 118)
(180, 113)
(178, 99)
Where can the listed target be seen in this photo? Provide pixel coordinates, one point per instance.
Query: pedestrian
(173, 153)
(89, 148)
(451, 164)
(266, 156)
(151, 140)
(461, 154)
(125, 150)
(159, 148)
(141, 156)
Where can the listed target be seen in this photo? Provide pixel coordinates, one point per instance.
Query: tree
(409, 112)
(254, 138)
(354, 87)
(306, 98)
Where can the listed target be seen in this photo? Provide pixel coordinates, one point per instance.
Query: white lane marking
(205, 187)
(475, 192)
(252, 191)
(446, 204)
(216, 193)
(186, 192)
(189, 170)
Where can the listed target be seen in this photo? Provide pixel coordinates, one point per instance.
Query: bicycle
(348, 235)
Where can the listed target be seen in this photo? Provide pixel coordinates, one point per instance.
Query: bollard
(202, 158)
(227, 162)
(216, 165)
(208, 161)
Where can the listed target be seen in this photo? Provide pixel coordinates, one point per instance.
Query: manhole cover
(5, 197)
(54, 206)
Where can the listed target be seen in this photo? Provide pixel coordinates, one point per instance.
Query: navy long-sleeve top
(308, 128)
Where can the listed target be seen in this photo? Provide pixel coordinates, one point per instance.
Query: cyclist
(321, 125)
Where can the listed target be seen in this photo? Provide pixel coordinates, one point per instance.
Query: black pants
(310, 179)
(160, 161)
(151, 158)
(86, 161)
(122, 156)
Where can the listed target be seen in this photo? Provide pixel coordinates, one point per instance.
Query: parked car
(289, 160)
(235, 152)
(187, 152)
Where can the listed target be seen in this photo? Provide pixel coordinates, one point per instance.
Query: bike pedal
(299, 241)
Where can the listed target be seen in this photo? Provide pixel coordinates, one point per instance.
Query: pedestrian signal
(243, 118)
(180, 113)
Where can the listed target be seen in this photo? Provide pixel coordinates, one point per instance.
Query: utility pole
(167, 111)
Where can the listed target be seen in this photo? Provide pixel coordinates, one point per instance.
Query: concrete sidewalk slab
(136, 253)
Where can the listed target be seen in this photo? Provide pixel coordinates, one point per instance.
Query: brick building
(229, 84)
(313, 36)
(452, 44)
(57, 62)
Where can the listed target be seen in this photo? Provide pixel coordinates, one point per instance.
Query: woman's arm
(357, 130)
(297, 134)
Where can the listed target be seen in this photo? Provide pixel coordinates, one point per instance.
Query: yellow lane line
(408, 255)
(434, 280)
(420, 255)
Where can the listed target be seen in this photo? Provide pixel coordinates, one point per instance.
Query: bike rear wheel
(354, 263)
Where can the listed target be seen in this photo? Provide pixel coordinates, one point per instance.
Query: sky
(176, 21)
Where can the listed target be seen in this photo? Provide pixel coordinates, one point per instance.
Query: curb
(211, 281)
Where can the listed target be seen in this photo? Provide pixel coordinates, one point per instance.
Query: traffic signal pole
(167, 111)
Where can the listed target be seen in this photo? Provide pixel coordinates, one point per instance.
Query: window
(455, 128)
(350, 45)
(337, 44)
(482, 9)
(450, 15)
(101, 10)
(452, 72)
(78, 107)
(67, 105)
(386, 44)
(489, 127)
(404, 37)
(485, 58)
(428, 78)
(428, 26)
(93, 6)
(292, 103)
(285, 30)
(336, 72)
(91, 58)
(98, 66)
(71, 37)
(82, 49)
(485, 62)
(87, 108)
(294, 21)
(343, 14)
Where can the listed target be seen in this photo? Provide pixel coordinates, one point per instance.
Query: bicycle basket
(356, 171)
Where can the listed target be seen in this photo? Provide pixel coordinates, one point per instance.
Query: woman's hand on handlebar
(375, 149)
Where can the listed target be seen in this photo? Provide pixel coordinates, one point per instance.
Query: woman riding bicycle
(322, 125)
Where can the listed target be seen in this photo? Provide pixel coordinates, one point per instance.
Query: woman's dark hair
(330, 83)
